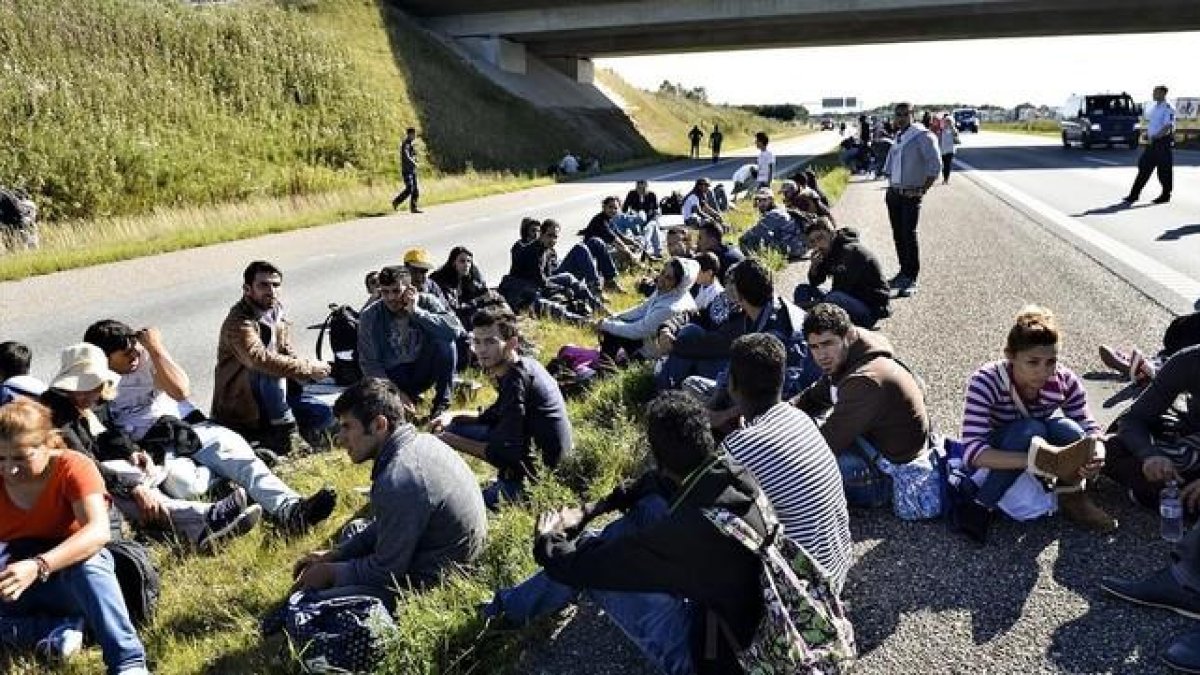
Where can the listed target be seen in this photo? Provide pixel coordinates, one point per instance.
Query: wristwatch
(43, 569)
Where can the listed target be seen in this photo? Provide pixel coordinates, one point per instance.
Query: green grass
(1032, 127)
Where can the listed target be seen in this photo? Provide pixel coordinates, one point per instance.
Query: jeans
(947, 165)
(658, 623)
(225, 454)
(187, 518)
(580, 263)
(88, 589)
(903, 213)
(860, 313)
(578, 289)
(500, 489)
(434, 367)
(1157, 155)
(1186, 565)
(411, 189)
(866, 485)
(674, 369)
(278, 406)
(1016, 438)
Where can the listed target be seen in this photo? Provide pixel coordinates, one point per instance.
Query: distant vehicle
(827, 124)
(1091, 119)
(966, 119)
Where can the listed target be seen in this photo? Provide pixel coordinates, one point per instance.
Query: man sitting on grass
(428, 514)
(409, 338)
(709, 239)
(684, 592)
(775, 230)
(15, 380)
(875, 406)
(858, 283)
(151, 405)
(529, 411)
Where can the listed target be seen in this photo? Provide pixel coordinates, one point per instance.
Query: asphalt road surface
(186, 294)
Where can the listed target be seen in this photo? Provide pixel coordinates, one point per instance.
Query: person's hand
(150, 338)
(1189, 496)
(439, 423)
(150, 506)
(1091, 469)
(316, 576)
(321, 370)
(408, 299)
(409, 407)
(552, 522)
(142, 461)
(666, 340)
(570, 518)
(17, 578)
(1159, 470)
(309, 559)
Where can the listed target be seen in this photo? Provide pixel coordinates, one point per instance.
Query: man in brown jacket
(875, 406)
(255, 361)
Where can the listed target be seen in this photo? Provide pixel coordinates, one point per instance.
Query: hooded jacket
(684, 553)
(642, 322)
(855, 271)
(872, 396)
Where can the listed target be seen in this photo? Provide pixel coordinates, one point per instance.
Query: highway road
(187, 293)
(1078, 193)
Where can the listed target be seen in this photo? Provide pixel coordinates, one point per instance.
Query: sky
(1004, 72)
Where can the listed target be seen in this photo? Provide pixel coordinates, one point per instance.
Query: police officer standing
(408, 171)
(1160, 134)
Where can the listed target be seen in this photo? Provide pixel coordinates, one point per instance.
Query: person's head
(260, 284)
(764, 199)
(1032, 347)
(708, 236)
(710, 268)
(641, 186)
(118, 342)
(530, 227)
(807, 201)
(679, 434)
(679, 242)
(460, 260)
(754, 284)
(902, 114)
(701, 186)
(410, 133)
(756, 366)
(393, 282)
(828, 332)
(548, 232)
(716, 128)
(820, 233)
(27, 438)
(1160, 93)
(611, 206)
(14, 359)
(761, 140)
(371, 281)
(495, 337)
(85, 377)
(810, 178)
(418, 263)
(670, 276)
(368, 413)
(788, 188)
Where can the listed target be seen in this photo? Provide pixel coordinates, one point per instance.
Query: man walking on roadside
(766, 160)
(912, 165)
(408, 172)
(694, 136)
(1160, 136)
(714, 142)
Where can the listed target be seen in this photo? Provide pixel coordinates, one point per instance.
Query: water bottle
(1171, 510)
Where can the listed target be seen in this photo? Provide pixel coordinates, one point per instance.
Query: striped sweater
(788, 456)
(990, 405)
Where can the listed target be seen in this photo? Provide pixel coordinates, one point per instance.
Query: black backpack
(138, 579)
(342, 326)
(671, 205)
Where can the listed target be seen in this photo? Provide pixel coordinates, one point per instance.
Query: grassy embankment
(208, 612)
(145, 127)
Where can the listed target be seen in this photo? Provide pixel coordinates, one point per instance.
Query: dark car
(1107, 119)
(967, 119)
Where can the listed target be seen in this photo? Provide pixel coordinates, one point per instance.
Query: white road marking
(1106, 162)
(1182, 290)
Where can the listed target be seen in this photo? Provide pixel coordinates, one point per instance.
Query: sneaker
(233, 516)
(1078, 508)
(62, 643)
(1183, 654)
(899, 281)
(1060, 462)
(1157, 590)
(1128, 199)
(416, 210)
(1115, 359)
(304, 513)
(908, 290)
(1161, 199)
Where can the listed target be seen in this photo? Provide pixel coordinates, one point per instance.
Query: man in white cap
(78, 398)
(775, 229)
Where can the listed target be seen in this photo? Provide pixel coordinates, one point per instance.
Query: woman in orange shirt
(53, 503)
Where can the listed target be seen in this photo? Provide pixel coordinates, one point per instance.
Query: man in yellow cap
(418, 263)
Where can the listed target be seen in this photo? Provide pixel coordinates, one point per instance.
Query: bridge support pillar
(506, 55)
(580, 70)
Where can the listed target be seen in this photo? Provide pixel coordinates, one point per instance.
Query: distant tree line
(676, 89)
(784, 112)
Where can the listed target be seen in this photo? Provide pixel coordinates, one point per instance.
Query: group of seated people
(768, 408)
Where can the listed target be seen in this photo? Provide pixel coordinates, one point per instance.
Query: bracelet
(43, 568)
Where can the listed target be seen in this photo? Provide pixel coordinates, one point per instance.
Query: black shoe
(1183, 654)
(908, 289)
(285, 439)
(233, 516)
(1161, 199)
(1128, 199)
(973, 520)
(416, 210)
(309, 511)
(1157, 590)
(395, 203)
(898, 281)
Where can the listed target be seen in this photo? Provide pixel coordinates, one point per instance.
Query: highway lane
(187, 293)
(1086, 187)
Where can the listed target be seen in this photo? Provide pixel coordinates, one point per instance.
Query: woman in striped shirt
(1027, 412)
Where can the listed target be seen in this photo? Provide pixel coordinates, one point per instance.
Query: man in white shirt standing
(1160, 135)
(766, 160)
(912, 165)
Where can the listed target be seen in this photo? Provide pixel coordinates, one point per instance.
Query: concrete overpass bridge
(568, 33)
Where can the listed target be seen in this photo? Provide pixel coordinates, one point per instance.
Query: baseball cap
(418, 258)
